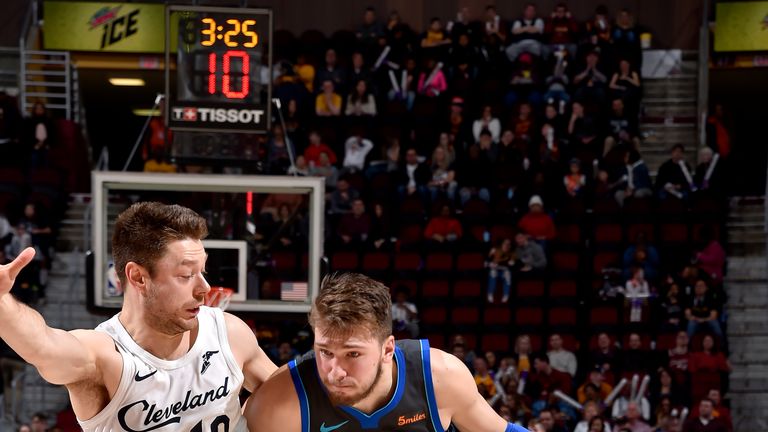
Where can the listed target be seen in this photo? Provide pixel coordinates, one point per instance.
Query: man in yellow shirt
(328, 103)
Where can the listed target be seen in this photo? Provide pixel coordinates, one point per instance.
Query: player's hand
(9, 271)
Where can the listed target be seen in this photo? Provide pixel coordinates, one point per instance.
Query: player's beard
(161, 319)
(350, 400)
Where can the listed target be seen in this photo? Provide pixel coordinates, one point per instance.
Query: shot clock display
(223, 59)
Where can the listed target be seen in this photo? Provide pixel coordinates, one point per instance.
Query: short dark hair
(144, 230)
(349, 301)
(541, 355)
(678, 147)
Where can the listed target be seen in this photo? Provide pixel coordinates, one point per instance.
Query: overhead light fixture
(146, 112)
(127, 82)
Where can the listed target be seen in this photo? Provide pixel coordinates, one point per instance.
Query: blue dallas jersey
(412, 407)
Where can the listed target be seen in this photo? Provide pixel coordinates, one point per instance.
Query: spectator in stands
(459, 350)
(702, 311)
(560, 358)
(605, 356)
(671, 309)
(510, 165)
(548, 421)
(380, 234)
(291, 229)
(432, 81)
(709, 174)
(544, 381)
(674, 177)
(626, 37)
(473, 175)
(323, 168)
(583, 132)
(487, 122)
(360, 101)
(305, 72)
(407, 94)
(561, 30)
(595, 389)
(641, 254)
(625, 406)
(36, 223)
(636, 286)
(342, 197)
(525, 82)
(405, 315)
(370, 30)
(709, 359)
(591, 411)
(527, 34)
(444, 229)
(356, 149)
(529, 254)
(522, 353)
(590, 83)
(301, 168)
(485, 381)
(278, 158)
(599, 424)
(333, 73)
(159, 163)
(39, 422)
(625, 85)
(270, 208)
(443, 181)
(39, 135)
(632, 420)
(635, 359)
(574, 181)
(413, 176)
(359, 72)
(435, 37)
(622, 128)
(12, 368)
(677, 360)
(500, 262)
(317, 146)
(718, 136)
(6, 230)
(705, 421)
(638, 180)
(719, 410)
(711, 258)
(24, 428)
(664, 387)
(284, 353)
(354, 226)
(328, 102)
(523, 123)
(536, 223)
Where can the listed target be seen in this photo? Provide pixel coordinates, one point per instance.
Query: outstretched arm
(458, 398)
(61, 357)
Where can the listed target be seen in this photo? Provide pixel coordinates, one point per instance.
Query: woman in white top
(360, 102)
(487, 121)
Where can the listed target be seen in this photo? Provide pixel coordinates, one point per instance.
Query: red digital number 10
(226, 79)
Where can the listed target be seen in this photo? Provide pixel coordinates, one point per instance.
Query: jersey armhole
(426, 367)
(109, 411)
(301, 393)
(223, 336)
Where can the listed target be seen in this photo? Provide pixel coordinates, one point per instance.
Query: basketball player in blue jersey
(358, 378)
(165, 362)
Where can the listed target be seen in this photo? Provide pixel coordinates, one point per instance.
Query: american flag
(293, 291)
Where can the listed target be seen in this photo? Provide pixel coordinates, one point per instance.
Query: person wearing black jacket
(412, 176)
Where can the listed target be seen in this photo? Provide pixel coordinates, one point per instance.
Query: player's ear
(389, 347)
(136, 276)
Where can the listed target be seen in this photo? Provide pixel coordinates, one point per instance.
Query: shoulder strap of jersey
(426, 367)
(301, 392)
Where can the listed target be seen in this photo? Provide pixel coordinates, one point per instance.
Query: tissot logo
(155, 418)
(217, 115)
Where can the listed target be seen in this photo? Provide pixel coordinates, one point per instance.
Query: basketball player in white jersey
(165, 362)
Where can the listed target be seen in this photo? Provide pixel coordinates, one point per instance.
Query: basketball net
(219, 297)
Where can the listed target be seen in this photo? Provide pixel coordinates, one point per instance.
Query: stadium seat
(562, 316)
(434, 315)
(672, 233)
(410, 236)
(439, 263)
(468, 289)
(603, 315)
(497, 342)
(569, 234)
(497, 315)
(463, 316)
(566, 262)
(500, 232)
(604, 260)
(560, 288)
(608, 233)
(529, 316)
(529, 288)
(636, 228)
(435, 289)
(376, 262)
(345, 261)
(471, 263)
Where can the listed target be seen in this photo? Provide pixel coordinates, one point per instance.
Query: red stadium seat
(530, 288)
(434, 315)
(376, 261)
(566, 261)
(470, 262)
(604, 260)
(434, 289)
(497, 342)
(407, 261)
(410, 235)
(467, 289)
(346, 261)
(608, 233)
(500, 232)
(465, 315)
(563, 288)
(497, 315)
(563, 316)
(666, 341)
(674, 233)
(529, 316)
(284, 261)
(439, 262)
(569, 234)
(436, 340)
(603, 315)
(634, 229)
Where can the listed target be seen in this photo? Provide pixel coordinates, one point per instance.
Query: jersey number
(220, 420)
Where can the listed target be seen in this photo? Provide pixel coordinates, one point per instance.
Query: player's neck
(160, 344)
(383, 391)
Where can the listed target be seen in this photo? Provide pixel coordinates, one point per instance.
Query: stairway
(669, 116)
(747, 286)
(47, 77)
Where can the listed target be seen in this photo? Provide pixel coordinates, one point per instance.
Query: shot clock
(222, 79)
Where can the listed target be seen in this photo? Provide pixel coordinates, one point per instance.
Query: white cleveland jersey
(196, 393)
